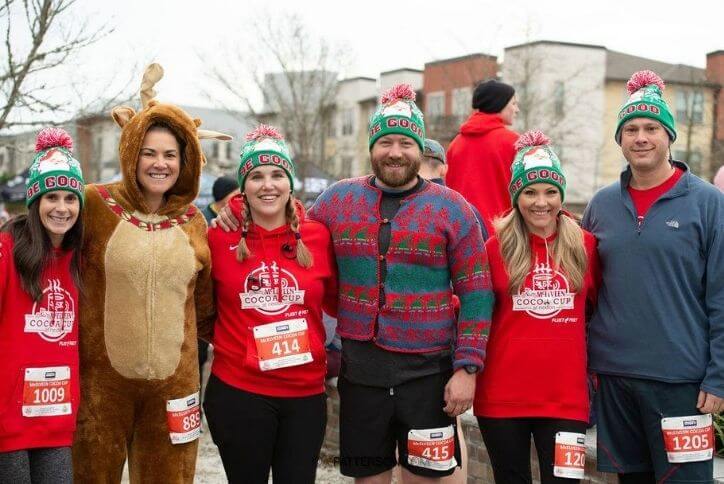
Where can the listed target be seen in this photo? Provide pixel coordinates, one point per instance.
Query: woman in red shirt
(544, 269)
(39, 261)
(265, 400)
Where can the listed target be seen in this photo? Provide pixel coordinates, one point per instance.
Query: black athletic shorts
(374, 421)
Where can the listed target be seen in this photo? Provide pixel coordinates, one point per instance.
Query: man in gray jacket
(657, 337)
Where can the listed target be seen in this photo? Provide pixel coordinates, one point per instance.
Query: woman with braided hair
(265, 400)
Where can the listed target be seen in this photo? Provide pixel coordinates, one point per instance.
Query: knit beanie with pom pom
(645, 100)
(535, 162)
(53, 167)
(397, 113)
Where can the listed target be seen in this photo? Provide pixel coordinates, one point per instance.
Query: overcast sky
(384, 35)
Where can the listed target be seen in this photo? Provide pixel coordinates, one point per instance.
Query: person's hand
(226, 220)
(709, 403)
(459, 393)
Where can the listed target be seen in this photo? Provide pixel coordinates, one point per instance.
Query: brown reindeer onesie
(146, 287)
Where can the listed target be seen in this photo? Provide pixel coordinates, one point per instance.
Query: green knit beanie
(265, 146)
(397, 113)
(645, 101)
(535, 162)
(53, 167)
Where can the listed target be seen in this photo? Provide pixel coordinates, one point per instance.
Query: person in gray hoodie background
(656, 339)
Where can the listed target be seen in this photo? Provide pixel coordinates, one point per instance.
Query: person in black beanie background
(480, 156)
(223, 189)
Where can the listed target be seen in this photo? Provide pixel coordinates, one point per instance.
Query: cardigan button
(382, 257)
(385, 220)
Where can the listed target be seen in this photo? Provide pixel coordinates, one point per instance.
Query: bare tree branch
(50, 46)
(295, 74)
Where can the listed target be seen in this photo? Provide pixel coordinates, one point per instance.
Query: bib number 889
(191, 421)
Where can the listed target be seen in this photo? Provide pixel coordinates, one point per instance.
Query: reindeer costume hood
(135, 126)
(147, 296)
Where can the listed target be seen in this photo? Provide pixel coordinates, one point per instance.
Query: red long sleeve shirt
(479, 160)
(269, 337)
(536, 360)
(39, 381)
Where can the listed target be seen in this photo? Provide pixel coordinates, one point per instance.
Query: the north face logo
(674, 224)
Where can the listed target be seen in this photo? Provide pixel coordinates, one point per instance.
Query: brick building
(448, 91)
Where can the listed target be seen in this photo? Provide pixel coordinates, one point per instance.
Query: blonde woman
(544, 270)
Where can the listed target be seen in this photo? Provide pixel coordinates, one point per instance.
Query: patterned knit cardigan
(435, 241)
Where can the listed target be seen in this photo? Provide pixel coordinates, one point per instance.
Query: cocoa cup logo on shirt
(53, 316)
(270, 290)
(544, 294)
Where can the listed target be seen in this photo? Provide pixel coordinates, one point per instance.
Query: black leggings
(255, 433)
(508, 444)
(52, 465)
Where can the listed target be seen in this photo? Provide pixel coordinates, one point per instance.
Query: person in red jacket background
(39, 280)
(545, 270)
(265, 400)
(479, 157)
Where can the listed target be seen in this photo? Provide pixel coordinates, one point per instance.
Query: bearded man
(403, 246)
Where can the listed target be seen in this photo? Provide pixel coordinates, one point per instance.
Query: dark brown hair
(33, 251)
(162, 126)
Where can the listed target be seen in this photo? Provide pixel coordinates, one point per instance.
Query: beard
(397, 176)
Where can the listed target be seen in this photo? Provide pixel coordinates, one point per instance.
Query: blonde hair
(569, 252)
(304, 257)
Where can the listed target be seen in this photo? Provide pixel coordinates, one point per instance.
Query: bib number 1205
(688, 439)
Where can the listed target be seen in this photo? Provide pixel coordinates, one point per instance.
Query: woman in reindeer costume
(147, 285)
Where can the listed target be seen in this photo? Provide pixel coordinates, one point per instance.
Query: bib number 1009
(46, 392)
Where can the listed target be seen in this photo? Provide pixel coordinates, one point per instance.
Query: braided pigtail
(304, 257)
(242, 251)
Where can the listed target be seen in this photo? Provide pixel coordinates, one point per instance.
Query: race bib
(184, 419)
(432, 448)
(570, 455)
(282, 344)
(46, 392)
(688, 439)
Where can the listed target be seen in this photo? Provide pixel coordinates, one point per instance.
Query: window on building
(694, 159)
(347, 122)
(215, 150)
(229, 153)
(462, 99)
(435, 104)
(559, 98)
(99, 148)
(689, 106)
(331, 126)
